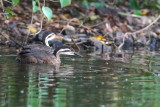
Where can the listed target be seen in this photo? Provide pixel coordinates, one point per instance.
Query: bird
(44, 56)
(49, 38)
(46, 38)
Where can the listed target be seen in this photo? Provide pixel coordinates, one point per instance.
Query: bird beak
(58, 37)
(76, 53)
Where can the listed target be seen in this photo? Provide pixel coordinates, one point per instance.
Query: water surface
(118, 80)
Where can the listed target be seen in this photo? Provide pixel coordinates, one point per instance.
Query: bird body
(44, 56)
(37, 56)
(37, 47)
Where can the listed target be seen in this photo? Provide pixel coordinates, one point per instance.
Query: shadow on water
(82, 82)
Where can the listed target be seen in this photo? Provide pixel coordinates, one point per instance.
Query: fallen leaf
(67, 15)
(100, 38)
(32, 29)
(69, 27)
(75, 20)
(144, 11)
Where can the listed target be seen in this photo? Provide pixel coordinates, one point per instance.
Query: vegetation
(88, 17)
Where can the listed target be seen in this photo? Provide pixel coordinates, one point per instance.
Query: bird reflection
(39, 68)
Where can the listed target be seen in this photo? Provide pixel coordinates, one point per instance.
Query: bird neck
(57, 55)
(46, 43)
(60, 50)
(58, 58)
(48, 38)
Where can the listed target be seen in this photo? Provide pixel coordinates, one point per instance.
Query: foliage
(46, 10)
(86, 3)
(35, 7)
(15, 2)
(134, 4)
(9, 12)
(140, 4)
(8, 9)
(65, 3)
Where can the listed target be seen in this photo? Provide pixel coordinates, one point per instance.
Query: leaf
(100, 38)
(32, 29)
(99, 4)
(86, 4)
(10, 13)
(65, 3)
(137, 12)
(15, 2)
(158, 6)
(35, 8)
(69, 27)
(93, 17)
(133, 4)
(144, 12)
(47, 12)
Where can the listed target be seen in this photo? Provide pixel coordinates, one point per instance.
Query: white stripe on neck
(50, 38)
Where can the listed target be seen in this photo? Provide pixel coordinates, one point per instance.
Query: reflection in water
(81, 82)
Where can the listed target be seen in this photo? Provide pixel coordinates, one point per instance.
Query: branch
(2, 6)
(139, 31)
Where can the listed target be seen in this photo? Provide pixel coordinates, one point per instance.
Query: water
(121, 80)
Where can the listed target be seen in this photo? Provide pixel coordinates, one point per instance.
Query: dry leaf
(100, 38)
(32, 29)
(69, 27)
(67, 15)
(75, 20)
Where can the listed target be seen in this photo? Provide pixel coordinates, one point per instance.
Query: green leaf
(8, 10)
(10, 13)
(47, 12)
(133, 4)
(35, 8)
(65, 3)
(137, 12)
(99, 4)
(86, 4)
(15, 2)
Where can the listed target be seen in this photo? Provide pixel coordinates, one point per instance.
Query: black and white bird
(44, 56)
(49, 38)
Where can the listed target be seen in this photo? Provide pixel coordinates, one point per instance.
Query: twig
(39, 4)
(76, 43)
(4, 13)
(41, 16)
(44, 2)
(54, 1)
(97, 24)
(40, 27)
(32, 22)
(124, 36)
(141, 30)
(78, 24)
(29, 29)
(2, 6)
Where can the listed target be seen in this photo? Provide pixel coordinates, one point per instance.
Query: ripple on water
(82, 82)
